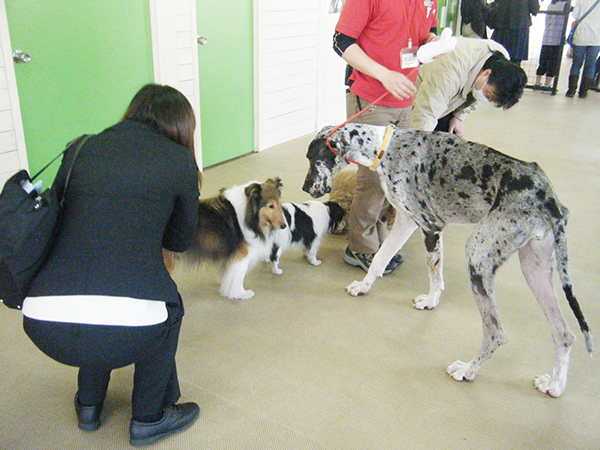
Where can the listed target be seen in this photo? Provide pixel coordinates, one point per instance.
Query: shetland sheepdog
(307, 224)
(236, 229)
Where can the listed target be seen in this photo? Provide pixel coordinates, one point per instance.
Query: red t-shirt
(382, 28)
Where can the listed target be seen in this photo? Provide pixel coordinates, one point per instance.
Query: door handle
(20, 57)
(202, 40)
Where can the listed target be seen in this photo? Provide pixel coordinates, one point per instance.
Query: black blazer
(512, 13)
(132, 191)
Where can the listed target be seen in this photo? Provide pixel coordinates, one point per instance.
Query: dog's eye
(272, 206)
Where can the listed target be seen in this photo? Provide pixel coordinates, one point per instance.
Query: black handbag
(27, 227)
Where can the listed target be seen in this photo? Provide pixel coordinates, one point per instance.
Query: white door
(175, 54)
(13, 155)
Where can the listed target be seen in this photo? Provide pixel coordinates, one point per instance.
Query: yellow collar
(384, 146)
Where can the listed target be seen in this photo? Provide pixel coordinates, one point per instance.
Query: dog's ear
(254, 195)
(277, 182)
(253, 204)
(336, 214)
(252, 190)
(271, 189)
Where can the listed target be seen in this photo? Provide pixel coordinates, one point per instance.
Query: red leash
(356, 115)
(350, 120)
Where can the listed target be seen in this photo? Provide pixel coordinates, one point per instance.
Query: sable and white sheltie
(307, 224)
(236, 229)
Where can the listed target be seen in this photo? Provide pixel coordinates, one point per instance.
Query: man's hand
(398, 85)
(456, 127)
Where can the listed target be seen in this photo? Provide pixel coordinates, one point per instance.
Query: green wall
(452, 14)
(88, 60)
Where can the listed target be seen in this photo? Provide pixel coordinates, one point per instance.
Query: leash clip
(384, 146)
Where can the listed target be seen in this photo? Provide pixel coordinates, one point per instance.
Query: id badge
(408, 58)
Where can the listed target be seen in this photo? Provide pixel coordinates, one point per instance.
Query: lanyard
(410, 25)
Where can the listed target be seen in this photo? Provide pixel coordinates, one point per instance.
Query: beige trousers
(367, 224)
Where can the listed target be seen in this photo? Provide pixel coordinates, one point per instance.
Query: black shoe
(175, 418)
(88, 417)
(395, 262)
(364, 260)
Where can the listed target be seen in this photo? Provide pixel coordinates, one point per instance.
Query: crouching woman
(103, 298)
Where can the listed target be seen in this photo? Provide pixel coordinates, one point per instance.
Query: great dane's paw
(425, 301)
(314, 261)
(276, 271)
(357, 288)
(460, 371)
(544, 384)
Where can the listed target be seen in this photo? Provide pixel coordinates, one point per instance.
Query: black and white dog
(307, 224)
(435, 178)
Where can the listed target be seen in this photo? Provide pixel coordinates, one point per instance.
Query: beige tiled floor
(303, 365)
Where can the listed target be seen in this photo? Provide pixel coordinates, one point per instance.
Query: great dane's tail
(559, 215)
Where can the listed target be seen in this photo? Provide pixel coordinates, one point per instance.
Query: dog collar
(384, 146)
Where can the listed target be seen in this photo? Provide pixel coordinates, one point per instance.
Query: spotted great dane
(436, 178)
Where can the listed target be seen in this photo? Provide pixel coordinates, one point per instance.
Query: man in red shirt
(379, 40)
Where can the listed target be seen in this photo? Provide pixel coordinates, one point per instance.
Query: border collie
(307, 224)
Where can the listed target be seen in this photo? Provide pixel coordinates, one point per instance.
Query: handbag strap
(586, 13)
(82, 140)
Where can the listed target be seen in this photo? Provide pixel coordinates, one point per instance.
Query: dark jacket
(475, 12)
(132, 191)
(512, 13)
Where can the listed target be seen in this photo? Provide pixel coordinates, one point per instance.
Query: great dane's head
(356, 143)
(324, 165)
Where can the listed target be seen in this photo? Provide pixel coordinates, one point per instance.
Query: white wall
(299, 79)
(175, 53)
(12, 142)
(331, 102)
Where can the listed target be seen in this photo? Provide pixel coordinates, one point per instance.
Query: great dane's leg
(435, 257)
(403, 227)
(493, 242)
(536, 263)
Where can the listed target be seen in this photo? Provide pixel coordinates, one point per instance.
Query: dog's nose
(283, 226)
(306, 186)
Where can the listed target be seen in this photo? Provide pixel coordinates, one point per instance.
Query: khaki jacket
(444, 84)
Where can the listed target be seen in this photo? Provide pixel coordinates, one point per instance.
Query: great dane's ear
(325, 131)
(318, 149)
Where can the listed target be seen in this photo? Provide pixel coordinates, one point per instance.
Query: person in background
(551, 43)
(473, 16)
(511, 20)
(477, 71)
(379, 39)
(595, 86)
(586, 46)
(104, 299)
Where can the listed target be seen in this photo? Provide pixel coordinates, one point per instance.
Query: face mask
(478, 94)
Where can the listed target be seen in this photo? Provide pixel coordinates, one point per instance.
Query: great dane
(436, 178)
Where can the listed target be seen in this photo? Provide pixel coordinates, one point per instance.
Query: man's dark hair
(507, 78)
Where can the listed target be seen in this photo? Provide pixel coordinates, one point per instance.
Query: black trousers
(548, 60)
(98, 349)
